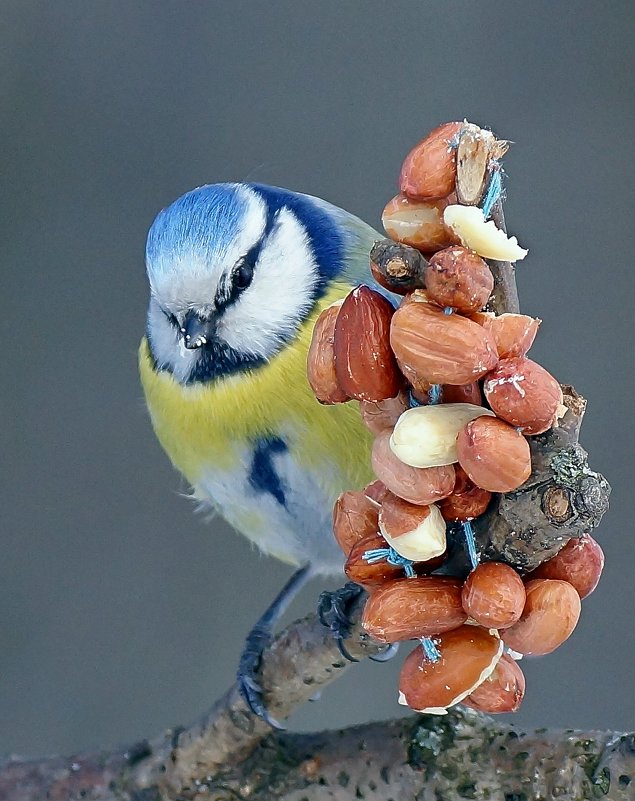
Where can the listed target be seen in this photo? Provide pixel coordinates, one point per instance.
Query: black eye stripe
(243, 271)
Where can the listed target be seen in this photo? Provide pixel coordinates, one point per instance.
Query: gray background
(121, 612)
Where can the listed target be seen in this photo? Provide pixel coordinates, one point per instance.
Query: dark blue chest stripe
(262, 472)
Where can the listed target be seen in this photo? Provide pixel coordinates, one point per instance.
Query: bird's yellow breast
(199, 424)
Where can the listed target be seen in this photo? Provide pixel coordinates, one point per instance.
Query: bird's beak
(196, 331)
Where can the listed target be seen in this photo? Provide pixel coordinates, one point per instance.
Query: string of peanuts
(449, 393)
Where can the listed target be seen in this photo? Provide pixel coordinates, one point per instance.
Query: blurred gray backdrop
(121, 612)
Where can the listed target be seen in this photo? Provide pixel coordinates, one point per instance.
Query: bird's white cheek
(269, 313)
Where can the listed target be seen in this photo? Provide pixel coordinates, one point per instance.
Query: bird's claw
(387, 654)
(334, 613)
(250, 661)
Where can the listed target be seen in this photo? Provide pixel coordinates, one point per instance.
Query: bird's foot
(258, 639)
(334, 613)
(248, 669)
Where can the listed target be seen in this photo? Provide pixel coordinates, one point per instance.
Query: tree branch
(228, 755)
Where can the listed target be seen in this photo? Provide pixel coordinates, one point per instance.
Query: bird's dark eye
(243, 274)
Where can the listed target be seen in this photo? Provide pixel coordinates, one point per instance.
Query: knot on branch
(563, 498)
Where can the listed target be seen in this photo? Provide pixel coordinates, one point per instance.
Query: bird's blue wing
(359, 238)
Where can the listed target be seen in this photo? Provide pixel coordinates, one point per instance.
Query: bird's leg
(259, 638)
(334, 613)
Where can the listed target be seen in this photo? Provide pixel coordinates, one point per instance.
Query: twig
(505, 295)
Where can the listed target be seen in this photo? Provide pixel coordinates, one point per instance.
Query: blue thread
(430, 650)
(413, 401)
(392, 557)
(470, 541)
(454, 142)
(434, 394)
(448, 310)
(262, 474)
(493, 193)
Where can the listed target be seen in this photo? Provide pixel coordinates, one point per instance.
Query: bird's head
(234, 271)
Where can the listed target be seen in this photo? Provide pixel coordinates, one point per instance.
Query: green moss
(475, 753)
(425, 746)
(584, 745)
(430, 737)
(449, 771)
(602, 782)
(568, 467)
(466, 789)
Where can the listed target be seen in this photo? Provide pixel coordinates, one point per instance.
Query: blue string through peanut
(494, 191)
(430, 650)
(434, 394)
(470, 540)
(392, 557)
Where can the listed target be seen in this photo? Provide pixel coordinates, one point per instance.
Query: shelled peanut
(446, 388)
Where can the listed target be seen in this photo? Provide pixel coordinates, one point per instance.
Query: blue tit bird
(238, 275)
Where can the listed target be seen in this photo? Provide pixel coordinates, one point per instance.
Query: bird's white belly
(276, 503)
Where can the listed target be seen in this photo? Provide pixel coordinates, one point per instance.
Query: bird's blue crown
(204, 221)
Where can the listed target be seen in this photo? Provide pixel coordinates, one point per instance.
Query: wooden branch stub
(397, 267)
(476, 151)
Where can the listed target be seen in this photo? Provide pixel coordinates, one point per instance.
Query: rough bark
(229, 754)
(563, 498)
